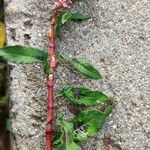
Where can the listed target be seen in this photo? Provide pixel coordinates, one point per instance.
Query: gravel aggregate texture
(116, 40)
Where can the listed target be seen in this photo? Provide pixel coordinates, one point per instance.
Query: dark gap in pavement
(4, 104)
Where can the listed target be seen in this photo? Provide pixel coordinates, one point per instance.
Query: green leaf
(83, 96)
(23, 55)
(63, 18)
(66, 17)
(67, 136)
(83, 67)
(89, 123)
(46, 67)
(79, 17)
(3, 101)
(8, 125)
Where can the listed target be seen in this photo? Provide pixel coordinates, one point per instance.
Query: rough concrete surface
(116, 40)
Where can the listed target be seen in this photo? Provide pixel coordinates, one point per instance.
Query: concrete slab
(116, 40)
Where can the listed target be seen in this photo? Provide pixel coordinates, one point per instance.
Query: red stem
(50, 84)
(50, 79)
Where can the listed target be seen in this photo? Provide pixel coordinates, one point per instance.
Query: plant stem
(50, 83)
(50, 79)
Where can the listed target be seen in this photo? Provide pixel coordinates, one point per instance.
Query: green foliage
(8, 125)
(83, 67)
(67, 136)
(79, 17)
(80, 128)
(3, 101)
(83, 96)
(46, 67)
(89, 123)
(23, 55)
(63, 18)
(66, 17)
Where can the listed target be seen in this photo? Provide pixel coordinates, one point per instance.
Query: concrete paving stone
(116, 40)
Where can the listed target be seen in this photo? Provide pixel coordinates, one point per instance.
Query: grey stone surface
(116, 40)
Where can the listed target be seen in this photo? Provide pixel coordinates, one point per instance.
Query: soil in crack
(4, 107)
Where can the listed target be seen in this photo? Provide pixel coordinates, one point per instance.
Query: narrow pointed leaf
(66, 17)
(89, 123)
(83, 96)
(23, 55)
(79, 17)
(67, 136)
(83, 67)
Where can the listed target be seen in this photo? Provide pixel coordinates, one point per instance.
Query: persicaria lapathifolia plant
(89, 121)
